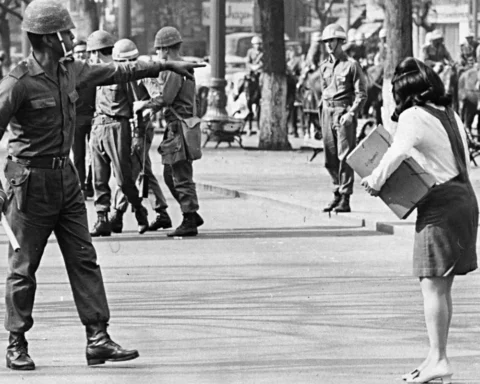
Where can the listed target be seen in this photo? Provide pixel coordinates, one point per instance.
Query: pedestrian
(85, 107)
(468, 48)
(447, 218)
(125, 50)
(344, 91)
(177, 99)
(435, 54)
(43, 191)
(111, 142)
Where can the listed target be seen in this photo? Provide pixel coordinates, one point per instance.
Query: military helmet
(469, 34)
(382, 33)
(256, 40)
(333, 31)
(166, 37)
(436, 35)
(44, 17)
(99, 40)
(125, 49)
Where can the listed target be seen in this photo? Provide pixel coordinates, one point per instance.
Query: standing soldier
(468, 49)
(344, 91)
(125, 50)
(111, 142)
(435, 54)
(176, 97)
(85, 107)
(43, 192)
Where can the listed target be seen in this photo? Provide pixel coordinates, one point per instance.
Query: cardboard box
(407, 185)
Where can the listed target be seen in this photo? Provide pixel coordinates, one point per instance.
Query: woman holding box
(447, 220)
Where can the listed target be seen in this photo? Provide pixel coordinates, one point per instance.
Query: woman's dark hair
(414, 83)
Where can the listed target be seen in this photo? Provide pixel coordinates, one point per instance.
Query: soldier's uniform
(254, 58)
(111, 142)
(468, 50)
(43, 189)
(344, 90)
(432, 54)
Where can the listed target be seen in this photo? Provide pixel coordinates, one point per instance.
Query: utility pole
(216, 113)
(349, 9)
(25, 41)
(124, 19)
(475, 18)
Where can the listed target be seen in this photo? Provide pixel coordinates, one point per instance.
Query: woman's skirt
(446, 231)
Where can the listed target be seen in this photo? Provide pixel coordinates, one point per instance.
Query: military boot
(17, 353)
(141, 214)
(102, 226)
(101, 348)
(187, 228)
(161, 221)
(344, 205)
(116, 221)
(336, 200)
(198, 219)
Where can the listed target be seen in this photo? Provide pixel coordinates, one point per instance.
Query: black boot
(116, 221)
(344, 205)
(102, 226)
(101, 348)
(17, 353)
(198, 219)
(161, 221)
(187, 228)
(336, 200)
(141, 214)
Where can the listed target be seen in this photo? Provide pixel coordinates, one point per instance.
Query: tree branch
(10, 11)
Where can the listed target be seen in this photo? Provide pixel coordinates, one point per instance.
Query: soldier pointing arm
(43, 191)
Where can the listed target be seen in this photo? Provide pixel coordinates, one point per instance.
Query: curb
(352, 219)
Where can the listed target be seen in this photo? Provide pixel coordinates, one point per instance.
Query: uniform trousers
(111, 143)
(339, 140)
(39, 202)
(121, 202)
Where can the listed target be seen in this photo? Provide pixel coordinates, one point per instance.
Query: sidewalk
(289, 178)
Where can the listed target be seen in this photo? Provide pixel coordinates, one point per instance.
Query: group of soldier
(47, 102)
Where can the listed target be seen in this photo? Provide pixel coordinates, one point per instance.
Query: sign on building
(238, 14)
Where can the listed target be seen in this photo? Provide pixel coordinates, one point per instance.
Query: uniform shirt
(41, 109)
(343, 80)
(432, 54)
(467, 50)
(114, 100)
(423, 137)
(255, 58)
(171, 90)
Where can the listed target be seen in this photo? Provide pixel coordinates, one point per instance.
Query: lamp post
(217, 99)
(124, 19)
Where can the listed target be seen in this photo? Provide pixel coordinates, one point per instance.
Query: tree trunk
(399, 41)
(273, 116)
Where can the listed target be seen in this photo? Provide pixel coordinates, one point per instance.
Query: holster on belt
(17, 176)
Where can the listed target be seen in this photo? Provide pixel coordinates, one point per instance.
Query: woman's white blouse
(422, 136)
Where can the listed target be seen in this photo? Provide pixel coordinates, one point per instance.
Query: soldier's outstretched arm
(88, 75)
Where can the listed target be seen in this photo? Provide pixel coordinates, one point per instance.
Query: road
(262, 295)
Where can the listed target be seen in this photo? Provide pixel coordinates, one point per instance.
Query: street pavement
(271, 291)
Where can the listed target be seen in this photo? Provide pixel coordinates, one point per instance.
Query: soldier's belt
(333, 104)
(44, 162)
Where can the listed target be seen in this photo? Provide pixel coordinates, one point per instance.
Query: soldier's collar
(34, 68)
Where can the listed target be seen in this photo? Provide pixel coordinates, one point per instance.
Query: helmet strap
(65, 52)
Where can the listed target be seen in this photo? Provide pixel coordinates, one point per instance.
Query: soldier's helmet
(44, 17)
(125, 49)
(382, 33)
(256, 40)
(166, 37)
(436, 35)
(99, 40)
(333, 31)
(469, 34)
